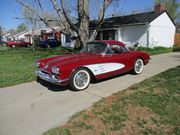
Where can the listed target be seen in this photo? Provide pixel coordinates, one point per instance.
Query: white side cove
(98, 69)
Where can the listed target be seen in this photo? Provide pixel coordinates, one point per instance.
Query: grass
(155, 50)
(17, 65)
(176, 49)
(151, 107)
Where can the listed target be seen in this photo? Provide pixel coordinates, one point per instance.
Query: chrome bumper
(48, 78)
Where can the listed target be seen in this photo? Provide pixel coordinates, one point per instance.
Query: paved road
(32, 108)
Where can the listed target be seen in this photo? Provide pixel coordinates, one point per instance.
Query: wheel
(13, 46)
(28, 45)
(80, 79)
(138, 66)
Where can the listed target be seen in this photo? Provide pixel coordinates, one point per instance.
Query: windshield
(95, 47)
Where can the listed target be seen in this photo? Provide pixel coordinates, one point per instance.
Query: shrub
(155, 50)
(176, 49)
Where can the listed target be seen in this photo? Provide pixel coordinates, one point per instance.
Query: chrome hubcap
(139, 66)
(81, 79)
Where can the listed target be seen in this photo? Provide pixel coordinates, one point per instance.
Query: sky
(9, 9)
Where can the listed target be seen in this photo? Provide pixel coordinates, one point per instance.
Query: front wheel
(80, 79)
(138, 66)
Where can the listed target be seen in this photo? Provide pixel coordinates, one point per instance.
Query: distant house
(50, 33)
(7, 37)
(20, 35)
(148, 29)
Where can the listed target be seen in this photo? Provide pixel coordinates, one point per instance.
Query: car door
(18, 43)
(122, 56)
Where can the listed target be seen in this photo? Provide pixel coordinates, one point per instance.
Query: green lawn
(17, 65)
(151, 107)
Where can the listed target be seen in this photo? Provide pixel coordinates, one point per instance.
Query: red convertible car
(98, 60)
(18, 43)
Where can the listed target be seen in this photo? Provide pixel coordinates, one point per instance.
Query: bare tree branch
(61, 16)
(79, 30)
(100, 19)
(40, 18)
(40, 5)
(66, 15)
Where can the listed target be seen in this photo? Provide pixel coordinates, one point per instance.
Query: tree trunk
(83, 21)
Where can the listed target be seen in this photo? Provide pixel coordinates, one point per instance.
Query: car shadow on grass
(52, 87)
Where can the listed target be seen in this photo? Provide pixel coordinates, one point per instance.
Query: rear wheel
(80, 79)
(138, 66)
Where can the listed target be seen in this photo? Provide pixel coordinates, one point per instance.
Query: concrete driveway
(32, 108)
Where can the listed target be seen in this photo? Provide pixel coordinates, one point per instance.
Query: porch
(128, 35)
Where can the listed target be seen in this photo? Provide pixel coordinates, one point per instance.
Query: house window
(68, 39)
(109, 35)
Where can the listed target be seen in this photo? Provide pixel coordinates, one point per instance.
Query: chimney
(159, 8)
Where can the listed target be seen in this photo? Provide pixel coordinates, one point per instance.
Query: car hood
(71, 58)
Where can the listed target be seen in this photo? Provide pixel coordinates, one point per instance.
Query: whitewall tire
(138, 66)
(13, 46)
(80, 79)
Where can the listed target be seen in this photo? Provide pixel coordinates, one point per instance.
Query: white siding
(132, 34)
(161, 32)
(65, 43)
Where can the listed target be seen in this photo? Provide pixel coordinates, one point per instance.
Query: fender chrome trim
(147, 60)
(48, 78)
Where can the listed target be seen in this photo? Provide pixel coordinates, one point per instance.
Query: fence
(177, 39)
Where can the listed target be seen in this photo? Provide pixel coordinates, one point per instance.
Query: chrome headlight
(38, 64)
(55, 70)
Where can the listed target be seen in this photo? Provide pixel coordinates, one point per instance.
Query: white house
(7, 37)
(148, 29)
(49, 33)
(20, 36)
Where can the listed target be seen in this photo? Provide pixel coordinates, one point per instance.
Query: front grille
(45, 72)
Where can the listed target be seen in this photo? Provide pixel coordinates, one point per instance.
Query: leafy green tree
(171, 6)
(21, 27)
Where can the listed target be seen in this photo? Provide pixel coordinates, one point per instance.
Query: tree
(51, 18)
(171, 6)
(1, 32)
(12, 31)
(21, 27)
(81, 11)
(31, 18)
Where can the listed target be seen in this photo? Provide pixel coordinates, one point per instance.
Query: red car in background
(98, 60)
(18, 43)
